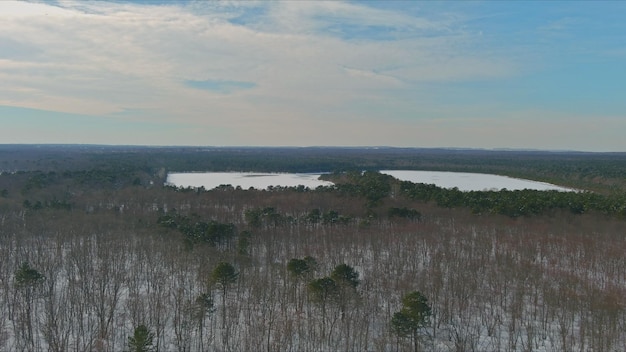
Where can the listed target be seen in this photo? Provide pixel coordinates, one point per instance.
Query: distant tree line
(518, 202)
(599, 172)
(375, 187)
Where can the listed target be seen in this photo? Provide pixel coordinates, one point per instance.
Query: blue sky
(475, 74)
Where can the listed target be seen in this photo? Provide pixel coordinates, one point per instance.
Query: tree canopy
(224, 274)
(142, 340)
(414, 315)
(27, 276)
(344, 274)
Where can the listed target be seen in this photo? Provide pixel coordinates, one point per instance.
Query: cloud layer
(278, 73)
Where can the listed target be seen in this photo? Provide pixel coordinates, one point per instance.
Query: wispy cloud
(220, 86)
(348, 21)
(108, 50)
(261, 65)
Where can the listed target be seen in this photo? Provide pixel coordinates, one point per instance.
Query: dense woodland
(97, 254)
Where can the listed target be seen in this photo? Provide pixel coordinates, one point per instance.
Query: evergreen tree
(142, 340)
(298, 267)
(347, 279)
(26, 276)
(27, 281)
(224, 275)
(345, 275)
(203, 306)
(413, 316)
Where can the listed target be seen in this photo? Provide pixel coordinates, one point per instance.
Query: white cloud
(306, 17)
(101, 58)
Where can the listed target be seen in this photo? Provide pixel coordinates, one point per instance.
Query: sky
(547, 75)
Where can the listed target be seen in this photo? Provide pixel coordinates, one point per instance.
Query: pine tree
(224, 275)
(141, 341)
(413, 316)
(347, 280)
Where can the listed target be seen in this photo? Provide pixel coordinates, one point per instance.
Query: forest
(98, 254)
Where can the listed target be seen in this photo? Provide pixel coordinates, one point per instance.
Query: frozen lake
(472, 181)
(245, 180)
(463, 181)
